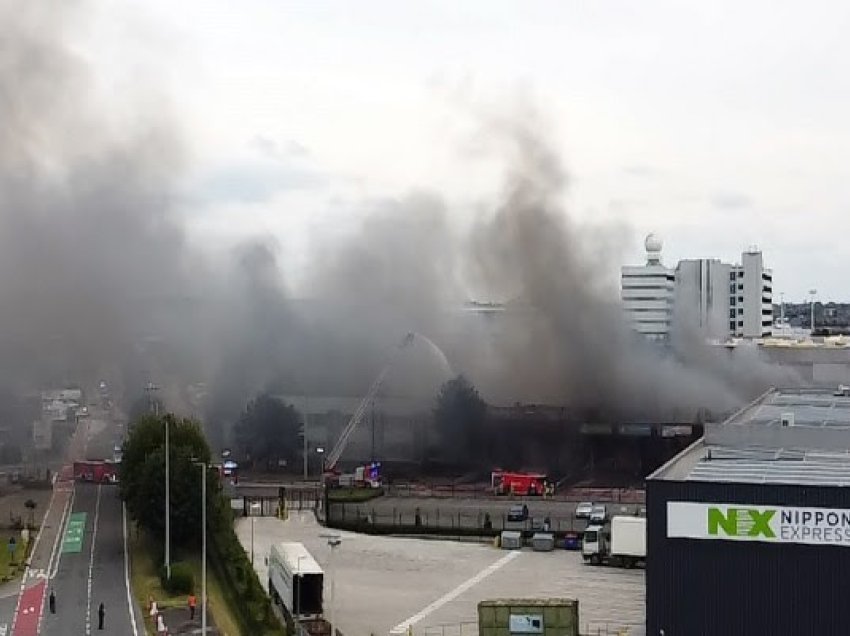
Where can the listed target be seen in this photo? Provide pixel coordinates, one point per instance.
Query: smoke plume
(98, 279)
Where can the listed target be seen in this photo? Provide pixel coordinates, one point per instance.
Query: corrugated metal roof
(754, 447)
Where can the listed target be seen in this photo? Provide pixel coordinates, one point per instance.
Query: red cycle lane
(29, 610)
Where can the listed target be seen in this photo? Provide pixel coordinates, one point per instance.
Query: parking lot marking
(402, 627)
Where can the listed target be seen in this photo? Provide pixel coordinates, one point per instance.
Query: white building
(752, 298)
(705, 296)
(647, 293)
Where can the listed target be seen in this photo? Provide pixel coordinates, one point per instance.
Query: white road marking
(402, 627)
(40, 573)
(127, 574)
(56, 552)
(91, 561)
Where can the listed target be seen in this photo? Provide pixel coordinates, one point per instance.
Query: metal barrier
(602, 628)
(452, 629)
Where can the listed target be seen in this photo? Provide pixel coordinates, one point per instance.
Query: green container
(559, 617)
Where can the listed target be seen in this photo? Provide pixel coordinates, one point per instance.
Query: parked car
(599, 514)
(584, 509)
(518, 512)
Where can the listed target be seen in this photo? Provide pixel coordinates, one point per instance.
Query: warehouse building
(749, 528)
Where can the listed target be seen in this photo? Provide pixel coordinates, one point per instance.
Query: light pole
(306, 408)
(203, 466)
(812, 293)
(150, 388)
(334, 540)
(254, 507)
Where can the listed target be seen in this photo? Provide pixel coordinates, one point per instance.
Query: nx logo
(740, 522)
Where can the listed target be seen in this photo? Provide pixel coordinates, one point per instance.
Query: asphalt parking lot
(383, 583)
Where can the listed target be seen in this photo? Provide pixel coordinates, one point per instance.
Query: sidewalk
(177, 621)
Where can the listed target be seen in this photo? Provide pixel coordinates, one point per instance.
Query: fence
(466, 491)
(589, 629)
(482, 523)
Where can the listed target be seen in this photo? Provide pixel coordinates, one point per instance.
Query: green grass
(12, 565)
(145, 581)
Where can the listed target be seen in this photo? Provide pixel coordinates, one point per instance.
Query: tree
(460, 416)
(142, 476)
(268, 431)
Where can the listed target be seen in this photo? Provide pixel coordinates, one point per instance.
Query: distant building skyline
(715, 299)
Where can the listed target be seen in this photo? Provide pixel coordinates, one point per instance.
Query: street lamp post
(812, 293)
(253, 508)
(334, 540)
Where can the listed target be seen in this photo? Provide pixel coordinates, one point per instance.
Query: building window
(731, 275)
(731, 325)
(731, 313)
(732, 289)
(740, 287)
(740, 323)
(740, 299)
(740, 311)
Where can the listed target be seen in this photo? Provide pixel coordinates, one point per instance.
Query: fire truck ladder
(336, 452)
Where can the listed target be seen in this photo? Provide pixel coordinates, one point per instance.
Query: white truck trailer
(295, 581)
(623, 545)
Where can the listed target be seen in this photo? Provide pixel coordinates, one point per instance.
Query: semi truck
(623, 544)
(295, 584)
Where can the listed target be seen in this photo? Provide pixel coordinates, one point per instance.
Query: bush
(182, 580)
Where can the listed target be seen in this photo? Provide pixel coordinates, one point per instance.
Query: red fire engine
(505, 483)
(98, 471)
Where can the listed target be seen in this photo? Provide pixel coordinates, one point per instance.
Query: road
(79, 554)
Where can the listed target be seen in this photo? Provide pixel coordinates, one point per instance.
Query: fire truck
(99, 471)
(518, 483)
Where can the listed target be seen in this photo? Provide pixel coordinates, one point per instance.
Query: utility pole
(306, 408)
(813, 292)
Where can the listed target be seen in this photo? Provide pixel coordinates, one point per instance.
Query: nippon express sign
(770, 524)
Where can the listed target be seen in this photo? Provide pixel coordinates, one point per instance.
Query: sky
(717, 126)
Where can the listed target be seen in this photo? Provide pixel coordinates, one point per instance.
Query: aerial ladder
(333, 456)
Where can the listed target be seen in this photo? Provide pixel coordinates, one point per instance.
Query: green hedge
(241, 585)
(182, 580)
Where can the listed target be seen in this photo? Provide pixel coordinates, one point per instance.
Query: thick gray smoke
(88, 248)
(96, 277)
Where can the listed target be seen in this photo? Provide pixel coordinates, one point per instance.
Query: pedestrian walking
(160, 625)
(52, 602)
(192, 603)
(101, 614)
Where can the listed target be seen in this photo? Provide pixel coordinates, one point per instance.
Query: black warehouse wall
(747, 588)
